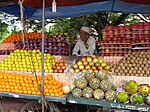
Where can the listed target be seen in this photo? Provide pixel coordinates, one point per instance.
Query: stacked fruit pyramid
(133, 92)
(94, 85)
(133, 64)
(18, 37)
(90, 63)
(28, 84)
(27, 61)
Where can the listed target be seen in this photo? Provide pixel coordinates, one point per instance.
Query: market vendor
(86, 44)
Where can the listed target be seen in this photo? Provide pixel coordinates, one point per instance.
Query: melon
(131, 87)
(136, 99)
(122, 97)
(66, 89)
(144, 89)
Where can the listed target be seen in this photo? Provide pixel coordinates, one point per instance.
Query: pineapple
(101, 75)
(98, 94)
(94, 83)
(105, 85)
(87, 92)
(81, 83)
(110, 95)
(77, 93)
(88, 76)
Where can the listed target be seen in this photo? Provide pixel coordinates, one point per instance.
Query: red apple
(55, 71)
(63, 67)
(61, 64)
(58, 67)
(60, 71)
(61, 61)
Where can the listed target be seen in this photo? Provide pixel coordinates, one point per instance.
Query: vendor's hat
(85, 28)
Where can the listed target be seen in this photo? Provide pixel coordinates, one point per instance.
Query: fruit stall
(105, 81)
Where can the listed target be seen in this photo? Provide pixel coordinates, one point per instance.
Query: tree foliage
(96, 21)
(3, 30)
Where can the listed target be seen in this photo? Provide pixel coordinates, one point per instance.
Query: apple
(88, 59)
(87, 67)
(97, 64)
(95, 60)
(71, 70)
(93, 56)
(60, 71)
(95, 71)
(85, 63)
(103, 64)
(55, 70)
(99, 68)
(91, 63)
(61, 64)
(75, 66)
(61, 61)
(77, 70)
(79, 63)
(83, 59)
(84, 70)
(93, 67)
(81, 67)
(63, 67)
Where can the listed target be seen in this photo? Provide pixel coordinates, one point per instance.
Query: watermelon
(122, 97)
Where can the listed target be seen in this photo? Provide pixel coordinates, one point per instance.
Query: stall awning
(69, 8)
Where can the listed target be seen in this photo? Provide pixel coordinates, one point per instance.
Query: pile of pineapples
(94, 85)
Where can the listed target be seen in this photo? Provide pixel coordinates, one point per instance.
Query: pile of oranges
(28, 84)
(19, 37)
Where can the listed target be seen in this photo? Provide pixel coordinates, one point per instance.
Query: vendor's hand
(86, 45)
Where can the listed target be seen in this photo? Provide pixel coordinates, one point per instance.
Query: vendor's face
(83, 35)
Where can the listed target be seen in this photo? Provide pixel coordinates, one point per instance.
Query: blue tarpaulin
(77, 10)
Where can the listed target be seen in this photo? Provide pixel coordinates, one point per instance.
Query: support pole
(43, 25)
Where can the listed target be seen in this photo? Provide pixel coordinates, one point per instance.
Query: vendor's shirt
(81, 47)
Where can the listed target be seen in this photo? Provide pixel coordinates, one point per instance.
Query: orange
(52, 94)
(55, 91)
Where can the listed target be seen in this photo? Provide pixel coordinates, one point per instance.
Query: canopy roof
(69, 8)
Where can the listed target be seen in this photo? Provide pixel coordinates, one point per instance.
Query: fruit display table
(61, 99)
(105, 104)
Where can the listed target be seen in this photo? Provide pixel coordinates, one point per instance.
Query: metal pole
(43, 25)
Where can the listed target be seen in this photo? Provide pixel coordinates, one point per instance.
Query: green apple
(95, 60)
(81, 67)
(91, 63)
(75, 66)
(97, 64)
(77, 70)
(88, 58)
(85, 63)
(103, 64)
(83, 59)
(87, 67)
(93, 67)
(71, 70)
(84, 70)
(79, 63)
